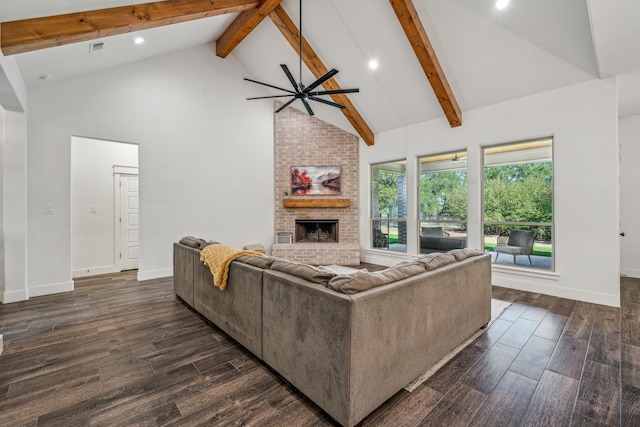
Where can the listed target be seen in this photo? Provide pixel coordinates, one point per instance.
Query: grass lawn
(540, 251)
(537, 250)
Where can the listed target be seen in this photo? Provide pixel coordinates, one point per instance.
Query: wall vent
(96, 47)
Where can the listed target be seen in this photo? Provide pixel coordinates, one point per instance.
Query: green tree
(519, 193)
(443, 195)
(386, 186)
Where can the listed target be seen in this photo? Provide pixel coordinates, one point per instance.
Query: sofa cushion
(257, 261)
(363, 280)
(461, 254)
(196, 243)
(190, 241)
(436, 260)
(304, 271)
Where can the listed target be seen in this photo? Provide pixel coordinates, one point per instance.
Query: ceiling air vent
(96, 47)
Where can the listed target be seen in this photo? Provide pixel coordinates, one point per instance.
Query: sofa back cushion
(304, 271)
(257, 261)
(196, 242)
(432, 231)
(461, 254)
(436, 260)
(363, 280)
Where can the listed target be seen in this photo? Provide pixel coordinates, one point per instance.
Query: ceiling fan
(300, 91)
(457, 157)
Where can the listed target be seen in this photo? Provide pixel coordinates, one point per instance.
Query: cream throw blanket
(218, 258)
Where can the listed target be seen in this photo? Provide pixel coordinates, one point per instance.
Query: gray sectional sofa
(348, 342)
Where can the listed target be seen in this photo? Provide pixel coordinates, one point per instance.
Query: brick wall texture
(303, 140)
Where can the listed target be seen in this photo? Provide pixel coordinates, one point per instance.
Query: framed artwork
(315, 180)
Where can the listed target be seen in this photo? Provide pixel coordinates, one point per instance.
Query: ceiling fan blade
(290, 77)
(286, 104)
(333, 92)
(324, 101)
(266, 84)
(267, 97)
(321, 80)
(307, 106)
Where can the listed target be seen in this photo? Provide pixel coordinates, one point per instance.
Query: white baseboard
(155, 274)
(94, 271)
(55, 288)
(550, 288)
(16, 296)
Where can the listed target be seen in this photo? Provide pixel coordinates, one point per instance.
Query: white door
(129, 222)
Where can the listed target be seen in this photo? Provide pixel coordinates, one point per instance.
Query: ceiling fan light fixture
(300, 91)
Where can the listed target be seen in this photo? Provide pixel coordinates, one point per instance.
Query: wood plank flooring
(121, 352)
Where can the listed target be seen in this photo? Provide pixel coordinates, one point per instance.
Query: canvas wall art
(315, 180)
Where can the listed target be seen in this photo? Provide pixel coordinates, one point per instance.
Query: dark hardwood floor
(121, 352)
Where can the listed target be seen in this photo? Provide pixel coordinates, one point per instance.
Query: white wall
(93, 202)
(583, 121)
(630, 196)
(206, 156)
(2, 208)
(13, 139)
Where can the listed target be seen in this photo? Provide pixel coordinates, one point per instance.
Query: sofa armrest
(305, 334)
(183, 257)
(238, 309)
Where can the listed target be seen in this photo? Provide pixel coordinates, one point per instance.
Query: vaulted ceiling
(437, 58)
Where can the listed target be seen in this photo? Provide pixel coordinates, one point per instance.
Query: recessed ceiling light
(501, 4)
(138, 40)
(373, 64)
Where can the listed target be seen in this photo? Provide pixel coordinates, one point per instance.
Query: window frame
(550, 224)
(397, 219)
(461, 155)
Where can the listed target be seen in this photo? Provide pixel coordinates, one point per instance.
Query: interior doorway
(98, 237)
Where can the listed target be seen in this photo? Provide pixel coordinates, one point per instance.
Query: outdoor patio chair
(520, 242)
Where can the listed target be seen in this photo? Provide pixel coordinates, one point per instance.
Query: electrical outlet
(94, 209)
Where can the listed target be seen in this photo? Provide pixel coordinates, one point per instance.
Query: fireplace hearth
(317, 230)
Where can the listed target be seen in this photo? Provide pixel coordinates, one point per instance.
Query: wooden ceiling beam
(242, 26)
(410, 21)
(40, 33)
(290, 32)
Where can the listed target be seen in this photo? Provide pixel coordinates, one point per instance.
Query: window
(442, 201)
(518, 203)
(389, 206)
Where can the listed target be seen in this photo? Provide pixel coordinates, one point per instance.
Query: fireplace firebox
(317, 230)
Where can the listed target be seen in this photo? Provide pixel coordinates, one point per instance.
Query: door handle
(622, 234)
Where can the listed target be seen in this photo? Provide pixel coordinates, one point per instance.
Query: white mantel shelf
(316, 203)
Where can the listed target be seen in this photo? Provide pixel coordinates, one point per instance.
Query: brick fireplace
(302, 140)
